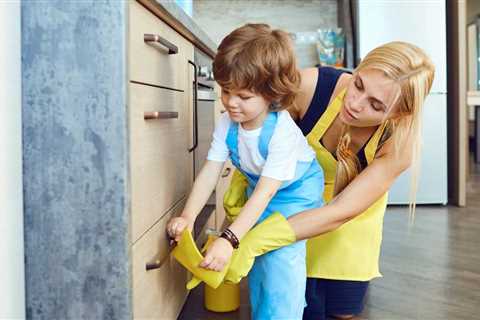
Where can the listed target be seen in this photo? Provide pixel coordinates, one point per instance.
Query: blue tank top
(327, 79)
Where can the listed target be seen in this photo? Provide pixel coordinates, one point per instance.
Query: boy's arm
(203, 187)
(256, 204)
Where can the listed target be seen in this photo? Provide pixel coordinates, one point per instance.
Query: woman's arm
(359, 195)
(304, 97)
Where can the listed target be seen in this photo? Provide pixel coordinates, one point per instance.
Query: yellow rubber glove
(233, 201)
(236, 196)
(186, 252)
(272, 233)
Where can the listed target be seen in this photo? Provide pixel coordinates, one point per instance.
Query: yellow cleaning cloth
(188, 255)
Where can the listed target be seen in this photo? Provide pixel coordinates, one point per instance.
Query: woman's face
(370, 99)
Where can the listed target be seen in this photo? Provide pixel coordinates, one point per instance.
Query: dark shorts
(333, 297)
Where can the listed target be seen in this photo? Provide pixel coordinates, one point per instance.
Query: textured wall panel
(75, 161)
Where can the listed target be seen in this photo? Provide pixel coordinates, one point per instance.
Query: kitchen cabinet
(161, 161)
(108, 130)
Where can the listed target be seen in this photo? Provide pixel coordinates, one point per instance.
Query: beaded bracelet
(228, 235)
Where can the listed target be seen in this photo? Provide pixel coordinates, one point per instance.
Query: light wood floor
(430, 270)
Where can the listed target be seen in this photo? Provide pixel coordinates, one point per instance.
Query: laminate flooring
(431, 268)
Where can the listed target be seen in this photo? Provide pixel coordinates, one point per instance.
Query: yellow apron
(352, 251)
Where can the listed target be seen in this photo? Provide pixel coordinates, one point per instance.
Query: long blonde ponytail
(348, 165)
(413, 70)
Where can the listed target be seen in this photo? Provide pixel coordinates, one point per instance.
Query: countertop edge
(176, 18)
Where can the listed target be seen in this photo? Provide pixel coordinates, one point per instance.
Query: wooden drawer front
(160, 164)
(158, 293)
(150, 62)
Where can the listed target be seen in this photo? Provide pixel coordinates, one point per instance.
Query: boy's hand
(176, 225)
(218, 255)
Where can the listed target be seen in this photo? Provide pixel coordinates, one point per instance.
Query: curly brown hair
(256, 58)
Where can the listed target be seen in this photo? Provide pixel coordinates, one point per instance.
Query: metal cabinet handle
(226, 173)
(152, 115)
(153, 265)
(195, 107)
(160, 262)
(148, 38)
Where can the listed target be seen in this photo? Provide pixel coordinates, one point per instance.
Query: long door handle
(195, 108)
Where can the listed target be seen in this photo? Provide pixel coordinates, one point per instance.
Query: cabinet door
(158, 293)
(151, 62)
(160, 164)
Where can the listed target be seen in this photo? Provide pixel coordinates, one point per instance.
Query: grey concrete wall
(75, 159)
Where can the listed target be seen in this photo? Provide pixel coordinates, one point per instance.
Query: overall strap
(232, 143)
(266, 134)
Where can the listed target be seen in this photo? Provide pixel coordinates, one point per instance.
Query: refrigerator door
(422, 23)
(432, 178)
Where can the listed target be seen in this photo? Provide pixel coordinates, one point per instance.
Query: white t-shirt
(286, 148)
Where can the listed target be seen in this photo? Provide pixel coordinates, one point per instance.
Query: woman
(365, 130)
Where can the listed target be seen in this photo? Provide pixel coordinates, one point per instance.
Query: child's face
(245, 107)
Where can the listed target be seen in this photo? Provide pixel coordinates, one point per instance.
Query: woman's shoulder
(308, 84)
(305, 93)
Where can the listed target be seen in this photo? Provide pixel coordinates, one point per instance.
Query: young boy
(256, 69)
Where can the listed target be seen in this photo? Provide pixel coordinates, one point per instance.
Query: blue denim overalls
(277, 280)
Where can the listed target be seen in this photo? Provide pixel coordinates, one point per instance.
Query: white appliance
(473, 63)
(422, 23)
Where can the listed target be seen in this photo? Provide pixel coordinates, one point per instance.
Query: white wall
(12, 288)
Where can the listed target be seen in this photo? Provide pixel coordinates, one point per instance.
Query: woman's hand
(218, 255)
(176, 225)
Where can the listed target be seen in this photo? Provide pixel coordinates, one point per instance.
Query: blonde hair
(413, 70)
(259, 59)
